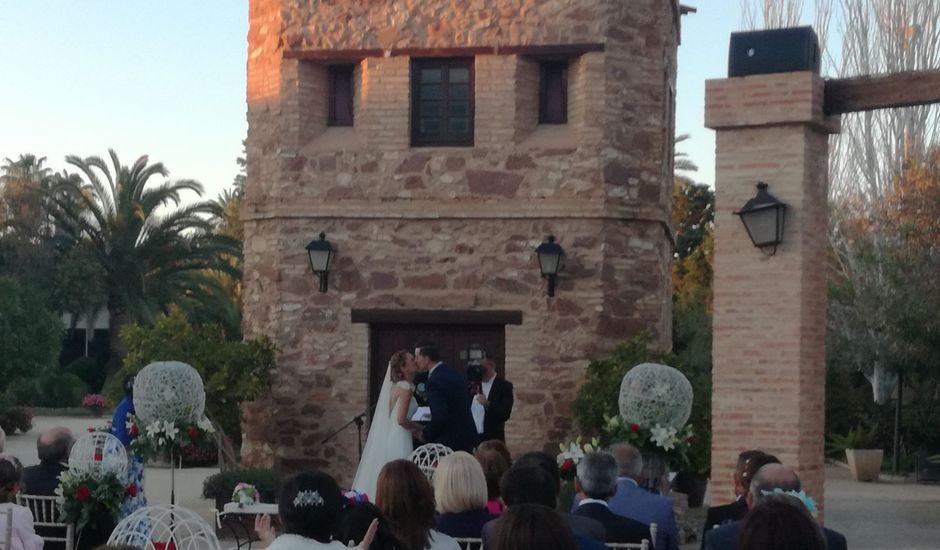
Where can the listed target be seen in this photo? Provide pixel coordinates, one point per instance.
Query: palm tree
(152, 250)
(23, 183)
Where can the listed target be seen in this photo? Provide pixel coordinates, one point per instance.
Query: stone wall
(453, 228)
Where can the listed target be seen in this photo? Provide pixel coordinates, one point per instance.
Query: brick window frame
(340, 96)
(456, 82)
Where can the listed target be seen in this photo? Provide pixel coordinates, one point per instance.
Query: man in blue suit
(767, 479)
(633, 502)
(447, 394)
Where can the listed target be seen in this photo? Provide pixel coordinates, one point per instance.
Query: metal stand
(172, 478)
(359, 421)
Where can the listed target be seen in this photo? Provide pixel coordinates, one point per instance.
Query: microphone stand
(359, 421)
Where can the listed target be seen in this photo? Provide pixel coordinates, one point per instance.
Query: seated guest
(406, 498)
(523, 485)
(53, 447)
(460, 495)
(3, 439)
(532, 526)
(780, 522)
(765, 482)
(749, 462)
(596, 483)
(355, 524)
(494, 466)
(498, 446)
(635, 503)
(22, 536)
(309, 507)
(580, 525)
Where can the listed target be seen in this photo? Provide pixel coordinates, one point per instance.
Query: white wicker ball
(168, 391)
(166, 524)
(653, 394)
(426, 457)
(98, 453)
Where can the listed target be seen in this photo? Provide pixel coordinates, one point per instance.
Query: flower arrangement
(94, 402)
(87, 496)
(670, 442)
(245, 494)
(353, 497)
(571, 454)
(158, 437)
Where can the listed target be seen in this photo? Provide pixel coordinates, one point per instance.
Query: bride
(391, 428)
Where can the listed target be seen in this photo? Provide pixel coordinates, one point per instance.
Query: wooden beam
(436, 317)
(542, 50)
(867, 93)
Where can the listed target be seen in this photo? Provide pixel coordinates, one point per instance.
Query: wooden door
(387, 338)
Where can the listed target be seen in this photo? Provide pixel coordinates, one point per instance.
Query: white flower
(170, 430)
(664, 437)
(205, 425)
(154, 429)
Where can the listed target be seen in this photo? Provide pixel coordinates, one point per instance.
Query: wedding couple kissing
(392, 429)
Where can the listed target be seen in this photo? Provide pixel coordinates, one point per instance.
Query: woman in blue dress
(134, 477)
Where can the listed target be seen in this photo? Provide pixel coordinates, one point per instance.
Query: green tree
(29, 333)
(152, 250)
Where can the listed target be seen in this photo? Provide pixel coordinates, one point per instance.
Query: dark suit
(726, 538)
(721, 515)
(451, 420)
(42, 479)
(619, 528)
(467, 524)
(498, 410)
(588, 533)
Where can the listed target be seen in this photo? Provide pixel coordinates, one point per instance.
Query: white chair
(469, 543)
(653, 530)
(6, 519)
(46, 513)
(642, 545)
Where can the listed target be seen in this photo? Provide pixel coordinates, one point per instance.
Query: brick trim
(544, 50)
(437, 317)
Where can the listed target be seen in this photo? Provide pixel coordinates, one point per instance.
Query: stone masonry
(453, 228)
(770, 311)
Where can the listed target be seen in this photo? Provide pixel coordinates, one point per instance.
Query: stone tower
(437, 143)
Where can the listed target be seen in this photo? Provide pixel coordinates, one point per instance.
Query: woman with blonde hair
(461, 496)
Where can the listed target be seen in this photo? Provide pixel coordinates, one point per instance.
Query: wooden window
(442, 102)
(553, 92)
(341, 95)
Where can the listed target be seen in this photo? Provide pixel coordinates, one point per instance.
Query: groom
(451, 421)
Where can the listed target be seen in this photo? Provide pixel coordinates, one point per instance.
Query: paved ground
(888, 515)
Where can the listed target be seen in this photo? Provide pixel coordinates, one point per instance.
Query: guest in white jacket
(309, 507)
(23, 536)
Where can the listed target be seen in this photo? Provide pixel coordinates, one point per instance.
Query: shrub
(50, 389)
(14, 419)
(90, 371)
(220, 486)
(30, 335)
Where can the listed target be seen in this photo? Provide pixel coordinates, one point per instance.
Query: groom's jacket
(451, 421)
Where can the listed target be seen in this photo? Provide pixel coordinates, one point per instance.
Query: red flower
(82, 493)
(193, 433)
(434, 465)
(164, 545)
(92, 429)
(691, 440)
(567, 465)
(134, 430)
(635, 428)
(131, 490)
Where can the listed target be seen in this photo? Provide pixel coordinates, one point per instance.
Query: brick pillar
(770, 311)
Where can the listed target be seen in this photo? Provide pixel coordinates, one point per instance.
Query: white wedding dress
(387, 440)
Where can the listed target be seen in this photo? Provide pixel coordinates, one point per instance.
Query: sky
(167, 79)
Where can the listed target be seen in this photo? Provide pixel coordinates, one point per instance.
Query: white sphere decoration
(653, 394)
(168, 391)
(426, 457)
(98, 453)
(166, 524)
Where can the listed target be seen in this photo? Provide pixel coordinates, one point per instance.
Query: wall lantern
(321, 255)
(550, 255)
(763, 218)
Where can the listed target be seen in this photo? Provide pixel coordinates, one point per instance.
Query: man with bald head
(632, 501)
(767, 480)
(53, 447)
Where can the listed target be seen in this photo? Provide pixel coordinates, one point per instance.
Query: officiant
(492, 402)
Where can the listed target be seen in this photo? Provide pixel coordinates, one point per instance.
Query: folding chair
(6, 519)
(46, 513)
(468, 543)
(642, 545)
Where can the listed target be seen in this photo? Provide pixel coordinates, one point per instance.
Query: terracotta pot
(864, 464)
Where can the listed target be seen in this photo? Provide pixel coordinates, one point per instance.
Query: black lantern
(321, 254)
(550, 255)
(763, 218)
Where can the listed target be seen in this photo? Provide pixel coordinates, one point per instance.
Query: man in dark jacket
(749, 462)
(451, 421)
(495, 397)
(596, 484)
(53, 447)
(768, 479)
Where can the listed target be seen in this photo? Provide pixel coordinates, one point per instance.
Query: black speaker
(773, 51)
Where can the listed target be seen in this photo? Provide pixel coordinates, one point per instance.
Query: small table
(232, 517)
